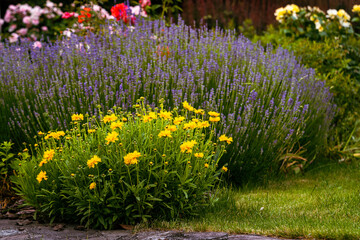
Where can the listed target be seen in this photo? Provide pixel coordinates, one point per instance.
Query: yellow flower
(36, 145)
(187, 146)
(203, 124)
(356, 154)
(199, 155)
(165, 133)
(214, 119)
(73, 175)
(91, 130)
(224, 138)
(190, 125)
(49, 154)
(68, 138)
(93, 161)
(195, 120)
(112, 137)
(124, 119)
(149, 117)
(199, 111)
(92, 185)
(77, 117)
(41, 176)
(132, 158)
(25, 150)
(356, 8)
(165, 115)
(55, 135)
(206, 165)
(110, 118)
(172, 128)
(40, 133)
(187, 106)
(342, 14)
(225, 169)
(42, 162)
(214, 114)
(178, 120)
(117, 124)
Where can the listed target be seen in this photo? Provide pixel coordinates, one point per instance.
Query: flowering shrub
(312, 22)
(23, 22)
(267, 101)
(126, 168)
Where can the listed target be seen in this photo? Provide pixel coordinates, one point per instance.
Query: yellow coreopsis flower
(92, 185)
(214, 114)
(91, 130)
(110, 118)
(165, 133)
(224, 138)
(165, 115)
(93, 161)
(40, 133)
(199, 155)
(117, 124)
(132, 158)
(77, 117)
(203, 124)
(187, 106)
(112, 137)
(190, 125)
(356, 9)
(214, 119)
(172, 128)
(225, 169)
(41, 176)
(206, 165)
(199, 111)
(178, 120)
(187, 146)
(49, 154)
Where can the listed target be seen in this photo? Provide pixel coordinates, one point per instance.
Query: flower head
(199, 111)
(112, 137)
(165, 115)
(214, 119)
(77, 117)
(165, 133)
(49, 154)
(110, 118)
(187, 146)
(225, 169)
(132, 158)
(178, 120)
(206, 165)
(224, 138)
(190, 125)
(93, 161)
(187, 106)
(199, 155)
(92, 185)
(214, 114)
(356, 9)
(117, 124)
(172, 128)
(41, 176)
(203, 124)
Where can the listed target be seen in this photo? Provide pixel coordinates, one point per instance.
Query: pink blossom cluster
(24, 20)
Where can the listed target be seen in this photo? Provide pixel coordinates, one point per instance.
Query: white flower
(332, 13)
(135, 10)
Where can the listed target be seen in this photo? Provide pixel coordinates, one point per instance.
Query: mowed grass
(323, 204)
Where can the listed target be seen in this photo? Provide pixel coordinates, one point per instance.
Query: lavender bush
(270, 103)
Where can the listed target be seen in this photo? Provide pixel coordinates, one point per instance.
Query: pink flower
(8, 16)
(44, 28)
(1, 22)
(37, 44)
(12, 27)
(13, 38)
(22, 31)
(67, 15)
(27, 20)
(145, 3)
(35, 21)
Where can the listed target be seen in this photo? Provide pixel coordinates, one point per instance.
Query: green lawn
(323, 203)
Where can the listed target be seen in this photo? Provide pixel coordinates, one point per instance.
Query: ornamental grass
(87, 178)
(267, 102)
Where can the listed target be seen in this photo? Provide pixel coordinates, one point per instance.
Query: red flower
(84, 14)
(67, 15)
(119, 12)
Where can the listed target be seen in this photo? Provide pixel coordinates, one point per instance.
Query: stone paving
(27, 229)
